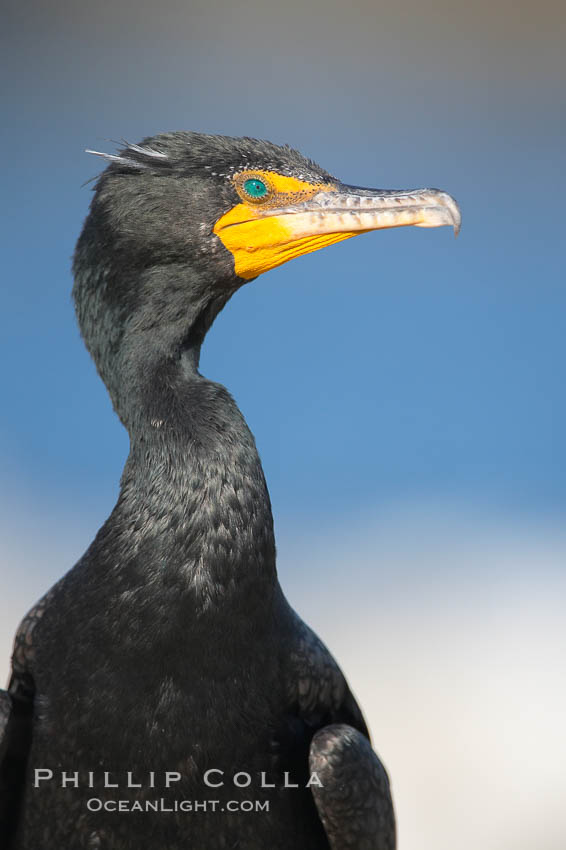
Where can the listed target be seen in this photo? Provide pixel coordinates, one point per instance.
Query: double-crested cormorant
(166, 668)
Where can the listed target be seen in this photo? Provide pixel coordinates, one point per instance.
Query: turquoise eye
(255, 188)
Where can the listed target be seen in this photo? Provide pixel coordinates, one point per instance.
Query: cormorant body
(168, 657)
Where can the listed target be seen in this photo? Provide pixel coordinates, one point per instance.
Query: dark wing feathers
(354, 802)
(5, 711)
(354, 799)
(16, 714)
(317, 685)
(15, 737)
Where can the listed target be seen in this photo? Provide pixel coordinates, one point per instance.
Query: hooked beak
(352, 209)
(262, 238)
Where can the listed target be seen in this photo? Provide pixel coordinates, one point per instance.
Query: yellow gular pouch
(257, 235)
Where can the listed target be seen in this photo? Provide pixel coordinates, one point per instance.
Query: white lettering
(131, 783)
(107, 783)
(47, 774)
(213, 784)
(265, 783)
(288, 784)
(70, 779)
(245, 783)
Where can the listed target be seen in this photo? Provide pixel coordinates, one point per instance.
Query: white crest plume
(146, 151)
(130, 162)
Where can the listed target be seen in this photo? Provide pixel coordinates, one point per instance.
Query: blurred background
(406, 389)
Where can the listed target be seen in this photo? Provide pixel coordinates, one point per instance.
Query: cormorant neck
(194, 510)
(190, 359)
(138, 322)
(193, 499)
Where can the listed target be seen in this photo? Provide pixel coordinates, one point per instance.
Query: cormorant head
(181, 221)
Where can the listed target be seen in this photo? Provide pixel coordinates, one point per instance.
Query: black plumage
(170, 646)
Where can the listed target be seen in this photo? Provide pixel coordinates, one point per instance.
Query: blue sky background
(406, 389)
